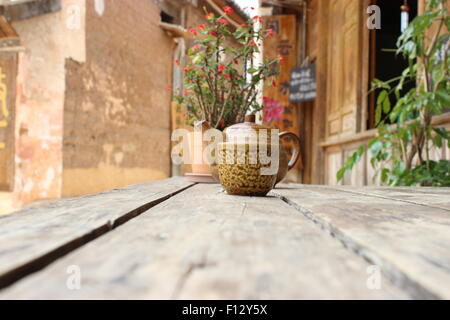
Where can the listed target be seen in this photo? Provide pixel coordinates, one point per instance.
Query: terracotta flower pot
(196, 148)
(201, 170)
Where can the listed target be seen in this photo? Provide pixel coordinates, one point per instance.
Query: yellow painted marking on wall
(4, 106)
(3, 96)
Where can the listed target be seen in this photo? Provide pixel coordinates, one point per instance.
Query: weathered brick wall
(117, 111)
(48, 39)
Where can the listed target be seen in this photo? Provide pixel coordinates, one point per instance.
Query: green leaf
(350, 162)
(378, 113)
(386, 105)
(442, 132)
(381, 97)
(361, 150)
(372, 141)
(438, 141)
(340, 174)
(376, 148)
(444, 96)
(384, 175)
(256, 78)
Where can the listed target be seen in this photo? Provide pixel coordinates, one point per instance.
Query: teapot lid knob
(250, 118)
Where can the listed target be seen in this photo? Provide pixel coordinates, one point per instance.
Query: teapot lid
(247, 129)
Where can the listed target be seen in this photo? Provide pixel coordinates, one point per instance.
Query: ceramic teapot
(239, 165)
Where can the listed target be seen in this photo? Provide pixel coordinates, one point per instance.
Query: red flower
(252, 43)
(214, 34)
(176, 62)
(274, 83)
(227, 76)
(259, 18)
(222, 123)
(273, 110)
(221, 68)
(193, 31)
(281, 58)
(209, 16)
(196, 47)
(228, 10)
(201, 26)
(224, 21)
(185, 69)
(270, 32)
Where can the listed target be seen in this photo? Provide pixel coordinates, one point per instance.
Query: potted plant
(221, 78)
(401, 152)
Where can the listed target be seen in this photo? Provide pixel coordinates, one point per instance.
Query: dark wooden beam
(30, 9)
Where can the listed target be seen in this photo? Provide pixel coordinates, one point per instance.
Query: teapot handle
(296, 141)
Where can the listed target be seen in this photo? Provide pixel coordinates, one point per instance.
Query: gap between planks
(43, 261)
(388, 198)
(395, 275)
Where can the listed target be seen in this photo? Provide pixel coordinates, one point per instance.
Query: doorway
(384, 63)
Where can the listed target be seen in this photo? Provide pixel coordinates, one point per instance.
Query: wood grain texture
(33, 238)
(431, 197)
(205, 244)
(410, 242)
(319, 121)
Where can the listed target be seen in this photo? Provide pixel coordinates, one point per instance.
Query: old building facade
(84, 104)
(333, 35)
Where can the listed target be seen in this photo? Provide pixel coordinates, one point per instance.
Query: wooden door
(345, 72)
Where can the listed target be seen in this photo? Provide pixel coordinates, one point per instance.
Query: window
(165, 17)
(384, 63)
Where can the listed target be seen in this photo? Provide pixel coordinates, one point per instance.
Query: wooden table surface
(173, 239)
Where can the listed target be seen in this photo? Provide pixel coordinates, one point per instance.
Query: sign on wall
(303, 84)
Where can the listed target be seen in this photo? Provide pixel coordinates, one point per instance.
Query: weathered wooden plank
(32, 238)
(205, 244)
(432, 197)
(410, 242)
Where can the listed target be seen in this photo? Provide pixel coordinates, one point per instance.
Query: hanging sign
(303, 84)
